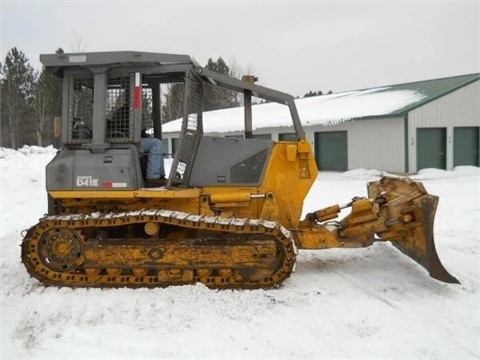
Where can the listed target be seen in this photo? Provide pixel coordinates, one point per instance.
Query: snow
(340, 303)
(317, 110)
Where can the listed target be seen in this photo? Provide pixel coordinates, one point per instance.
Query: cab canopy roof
(164, 68)
(150, 64)
(55, 63)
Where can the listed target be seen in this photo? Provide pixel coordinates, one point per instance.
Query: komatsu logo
(86, 181)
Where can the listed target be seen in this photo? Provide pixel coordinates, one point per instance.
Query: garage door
(288, 137)
(431, 148)
(331, 150)
(175, 143)
(465, 146)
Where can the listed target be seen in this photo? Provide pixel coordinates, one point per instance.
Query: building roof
(380, 102)
(433, 89)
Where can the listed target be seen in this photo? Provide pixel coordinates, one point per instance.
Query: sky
(292, 45)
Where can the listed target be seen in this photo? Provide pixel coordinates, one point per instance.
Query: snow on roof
(318, 110)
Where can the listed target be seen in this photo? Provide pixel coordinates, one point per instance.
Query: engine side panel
(114, 169)
(230, 161)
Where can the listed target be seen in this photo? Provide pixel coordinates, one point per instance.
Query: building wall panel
(372, 143)
(459, 108)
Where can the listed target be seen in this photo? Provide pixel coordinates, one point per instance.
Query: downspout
(406, 145)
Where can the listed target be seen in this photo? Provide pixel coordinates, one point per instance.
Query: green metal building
(400, 128)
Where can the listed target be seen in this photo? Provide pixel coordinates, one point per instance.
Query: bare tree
(44, 103)
(78, 44)
(238, 71)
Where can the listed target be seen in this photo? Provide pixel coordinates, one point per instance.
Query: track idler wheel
(61, 249)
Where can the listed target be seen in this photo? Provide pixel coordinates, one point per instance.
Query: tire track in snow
(390, 302)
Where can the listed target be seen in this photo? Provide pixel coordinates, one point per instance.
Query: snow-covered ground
(357, 303)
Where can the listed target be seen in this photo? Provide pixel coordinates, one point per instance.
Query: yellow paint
(288, 176)
(291, 152)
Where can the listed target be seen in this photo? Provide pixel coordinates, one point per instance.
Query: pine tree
(17, 100)
(314, 93)
(172, 107)
(217, 97)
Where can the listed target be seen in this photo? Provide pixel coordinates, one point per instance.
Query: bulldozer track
(72, 250)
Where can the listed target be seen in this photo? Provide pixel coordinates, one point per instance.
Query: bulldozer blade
(420, 245)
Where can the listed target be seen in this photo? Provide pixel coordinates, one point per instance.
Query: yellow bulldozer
(228, 214)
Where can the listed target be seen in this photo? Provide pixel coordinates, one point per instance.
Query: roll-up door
(431, 148)
(465, 146)
(288, 137)
(331, 150)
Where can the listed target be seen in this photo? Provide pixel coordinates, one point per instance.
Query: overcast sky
(293, 46)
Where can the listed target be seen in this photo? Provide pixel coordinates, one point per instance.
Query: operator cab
(113, 99)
